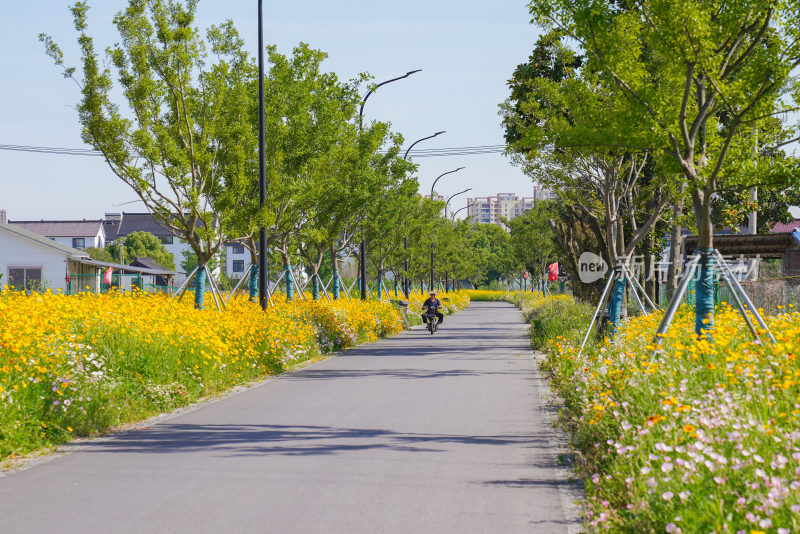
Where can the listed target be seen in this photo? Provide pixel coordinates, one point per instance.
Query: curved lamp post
(362, 247)
(451, 198)
(405, 239)
(453, 215)
(405, 157)
(443, 174)
(361, 110)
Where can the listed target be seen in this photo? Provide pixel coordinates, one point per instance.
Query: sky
(467, 50)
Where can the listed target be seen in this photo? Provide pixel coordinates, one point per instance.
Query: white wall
(19, 252)
(90, 240)
(230, 256)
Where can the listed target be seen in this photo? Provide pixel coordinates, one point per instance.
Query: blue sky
(467, 50)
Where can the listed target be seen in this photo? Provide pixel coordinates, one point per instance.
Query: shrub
(81, 364)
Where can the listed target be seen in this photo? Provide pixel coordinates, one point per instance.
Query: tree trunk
(287, 269)
(253, 282)
(200, 288)
(704, 286)
(335, 265)
(675, 245)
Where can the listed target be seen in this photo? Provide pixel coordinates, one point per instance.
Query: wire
(419, 153)
(52, 150)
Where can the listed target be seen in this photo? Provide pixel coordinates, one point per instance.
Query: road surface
(416, 433)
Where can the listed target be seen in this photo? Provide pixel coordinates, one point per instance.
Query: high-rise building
(505, 205)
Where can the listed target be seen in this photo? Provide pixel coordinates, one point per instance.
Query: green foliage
(189, 261)
(99, 254)
(553, 317)
(142, 245)
(173, 133)
(492, 245)
(532, 238)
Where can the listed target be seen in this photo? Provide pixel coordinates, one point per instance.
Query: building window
(165, 239)
(237, 249)
(79, 242)
(238, 266)
(25, 277)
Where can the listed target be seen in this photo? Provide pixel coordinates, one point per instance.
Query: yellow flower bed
(486, 295)
(703, 436)
(81, 364)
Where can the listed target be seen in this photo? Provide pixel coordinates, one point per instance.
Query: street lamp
(262, 177)
(451, 198)
(405, 157)
(443, 174)
(453, 215)
(362, 247)
(405, 239)
(361, 111)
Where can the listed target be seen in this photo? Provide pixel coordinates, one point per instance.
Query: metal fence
(93, 283)
(772, 295)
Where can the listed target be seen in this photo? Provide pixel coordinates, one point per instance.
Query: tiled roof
(785, 227)
(61, 228)
(41, 240)
(146, 263)
(134, 222)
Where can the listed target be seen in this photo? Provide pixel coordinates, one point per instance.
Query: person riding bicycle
(433, 304)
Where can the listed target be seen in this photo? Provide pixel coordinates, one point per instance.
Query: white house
(74, 234)
(29, 260)
(237, 260)
(121, 224)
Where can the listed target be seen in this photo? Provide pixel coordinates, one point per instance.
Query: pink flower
(651, 482)
(667, 495)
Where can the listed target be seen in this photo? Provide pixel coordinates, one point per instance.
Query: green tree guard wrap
(315, 287)
(336, 286)
(200, 289)
(253, 284)
(704, 294)
(396, 294)
(380, 289)
(422, 288)
(289, 283)
(615, 305)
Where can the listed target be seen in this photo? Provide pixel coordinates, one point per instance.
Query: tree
(555, 122)
(493, 247)
(142, 245)
(165, 135)
(701, 80)
(532, 239)
(99, 254)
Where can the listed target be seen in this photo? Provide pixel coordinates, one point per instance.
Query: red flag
(552, 275)
(107, 276)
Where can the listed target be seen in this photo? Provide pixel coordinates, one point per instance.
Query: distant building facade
(74, 234)
(490, 210)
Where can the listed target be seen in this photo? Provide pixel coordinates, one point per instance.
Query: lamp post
(451, 198)
(405, 239)
(443, 174)
(405, 157)
(262, 178)
(362, 247)
(453, 215)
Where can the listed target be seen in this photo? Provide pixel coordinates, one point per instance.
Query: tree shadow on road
(291, 440)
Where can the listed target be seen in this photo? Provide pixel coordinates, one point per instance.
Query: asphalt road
(416, 433)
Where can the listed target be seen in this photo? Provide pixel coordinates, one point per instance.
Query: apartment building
(489, 210)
